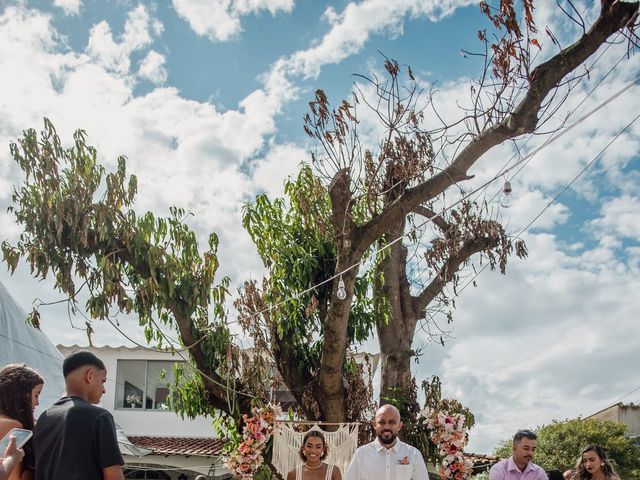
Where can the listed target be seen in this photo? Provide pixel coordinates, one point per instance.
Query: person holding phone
(20, 387)
(79, 438)
(11, 458)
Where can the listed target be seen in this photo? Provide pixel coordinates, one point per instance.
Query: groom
(387, 458)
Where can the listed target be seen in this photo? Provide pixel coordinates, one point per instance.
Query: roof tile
(199, 446)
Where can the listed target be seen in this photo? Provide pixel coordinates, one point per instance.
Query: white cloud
(519, 358)
(185, 153)
(620, 217)
(245, 7)
(70, 7)
(152, 68)
(139, 27)
(351, 28)
(219, 20)
(114, 55)
(103, 49)
(27, 44)
(268, 171)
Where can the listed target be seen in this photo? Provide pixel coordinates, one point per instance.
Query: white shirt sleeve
(419, 469)
(352, 470)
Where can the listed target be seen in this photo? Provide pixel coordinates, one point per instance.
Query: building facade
(628, 415)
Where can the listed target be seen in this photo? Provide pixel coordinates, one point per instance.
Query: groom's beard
(387, 437)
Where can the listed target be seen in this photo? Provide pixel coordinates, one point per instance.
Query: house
(138, 382)
(621, 413)
(481, 462)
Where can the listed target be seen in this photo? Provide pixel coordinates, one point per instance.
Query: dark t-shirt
(75, 441)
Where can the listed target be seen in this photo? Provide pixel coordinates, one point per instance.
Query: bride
(312, 452)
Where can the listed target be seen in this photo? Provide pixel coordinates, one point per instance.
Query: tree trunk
(396, 336)
(331, 396)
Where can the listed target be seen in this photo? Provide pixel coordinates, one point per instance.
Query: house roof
(619, 404)
(481, 461)
(187, 446)
(75, 346)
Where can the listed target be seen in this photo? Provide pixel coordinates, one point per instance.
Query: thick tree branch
(614, 16)
(335, 326)
(449, 269)
(295, 378)
(437, 220)
(214, 384)
(340, 197)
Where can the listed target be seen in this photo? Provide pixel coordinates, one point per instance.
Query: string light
(506, 197)
(342, 291)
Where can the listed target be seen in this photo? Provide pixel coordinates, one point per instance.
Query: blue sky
(206, 100)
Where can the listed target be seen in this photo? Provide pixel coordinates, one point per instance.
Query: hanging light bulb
(342, 292)
(506, 197)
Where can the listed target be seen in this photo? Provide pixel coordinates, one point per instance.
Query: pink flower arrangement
(247, 458)
(449, 433)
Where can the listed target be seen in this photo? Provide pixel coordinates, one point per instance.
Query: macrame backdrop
(286, 444)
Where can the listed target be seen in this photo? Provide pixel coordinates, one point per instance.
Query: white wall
(630, 416)
(138, 422)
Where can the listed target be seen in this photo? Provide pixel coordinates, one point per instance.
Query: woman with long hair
(313, 451)
(20, 387)
(594, 465)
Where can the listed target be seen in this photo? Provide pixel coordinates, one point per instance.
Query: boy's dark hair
(80, 359)
(524, 434)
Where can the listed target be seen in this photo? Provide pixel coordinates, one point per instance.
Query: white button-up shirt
(375, 462)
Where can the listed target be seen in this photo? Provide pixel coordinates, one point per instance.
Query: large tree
(375, 193)
(79, 226)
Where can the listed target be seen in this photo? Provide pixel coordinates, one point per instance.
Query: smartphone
(22, 436)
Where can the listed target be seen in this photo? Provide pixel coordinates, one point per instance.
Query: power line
(555, 198)
(409, 232)
(552, 139)
(586, 167)
(429, 220)
(619, 401)
(598, 83)
(29, 347)
(632, 391)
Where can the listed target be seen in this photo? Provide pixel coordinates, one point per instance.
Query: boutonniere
(404, 461)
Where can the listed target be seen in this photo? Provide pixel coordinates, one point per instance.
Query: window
(146, 474)
(143, 384)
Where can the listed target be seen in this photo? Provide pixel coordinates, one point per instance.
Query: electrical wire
(429, 220)
(555, 198)
(632, 391)
(411, 231)
(400, 237)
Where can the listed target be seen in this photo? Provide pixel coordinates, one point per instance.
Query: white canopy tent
(21, 343)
